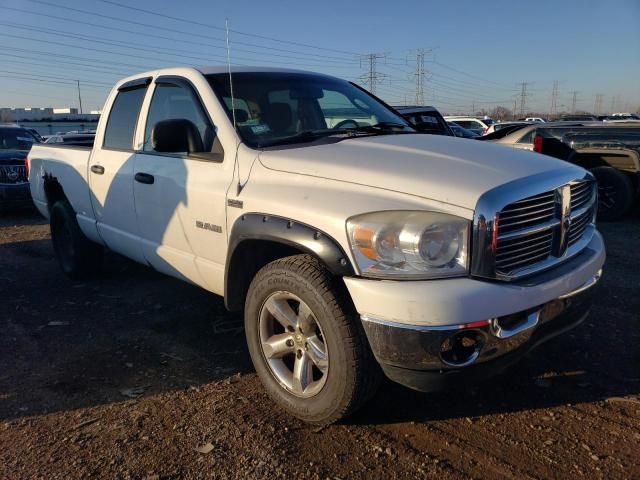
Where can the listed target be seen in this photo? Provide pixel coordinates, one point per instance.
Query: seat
(278, 117)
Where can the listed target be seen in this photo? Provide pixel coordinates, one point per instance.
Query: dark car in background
(425, 119)
(462, 132)
(15, 143)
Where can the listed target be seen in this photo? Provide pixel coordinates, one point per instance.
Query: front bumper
(468, 336)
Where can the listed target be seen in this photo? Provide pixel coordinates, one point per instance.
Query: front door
(111, 174)
(180, 196)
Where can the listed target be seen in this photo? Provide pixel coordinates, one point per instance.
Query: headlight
(412, 245)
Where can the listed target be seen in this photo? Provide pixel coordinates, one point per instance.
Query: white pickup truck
(353, 244)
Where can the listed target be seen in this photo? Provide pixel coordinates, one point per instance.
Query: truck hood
(446, 169)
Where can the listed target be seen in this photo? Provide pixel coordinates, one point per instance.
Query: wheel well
(53, 191)
(249, 257)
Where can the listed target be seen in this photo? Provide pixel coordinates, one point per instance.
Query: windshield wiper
(304, 136)
(382, 128)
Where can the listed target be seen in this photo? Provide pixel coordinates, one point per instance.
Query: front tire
(615, 193)
(306, 343)
(78, 256)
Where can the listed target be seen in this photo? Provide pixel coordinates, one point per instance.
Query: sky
(477, 53)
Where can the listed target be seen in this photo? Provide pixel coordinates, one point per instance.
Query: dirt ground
(74, 357)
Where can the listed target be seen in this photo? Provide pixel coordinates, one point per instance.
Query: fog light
(462, 348)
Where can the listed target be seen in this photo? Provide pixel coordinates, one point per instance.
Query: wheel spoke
(277, 346)
(305, 318)
(302, 374)
(282, 312)
(317, 353)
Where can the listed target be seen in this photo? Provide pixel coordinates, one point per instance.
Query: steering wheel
(345, 122)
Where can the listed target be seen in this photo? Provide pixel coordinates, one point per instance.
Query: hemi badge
(234, 203)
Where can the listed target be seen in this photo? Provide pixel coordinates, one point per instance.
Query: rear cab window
(123, 117)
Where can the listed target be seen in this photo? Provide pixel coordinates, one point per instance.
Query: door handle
(144, 178)
(99, 169)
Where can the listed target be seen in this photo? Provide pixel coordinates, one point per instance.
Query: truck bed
(67, 163)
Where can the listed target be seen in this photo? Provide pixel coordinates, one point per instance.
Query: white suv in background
(472, 123)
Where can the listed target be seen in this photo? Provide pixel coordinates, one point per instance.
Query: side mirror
(176, 135)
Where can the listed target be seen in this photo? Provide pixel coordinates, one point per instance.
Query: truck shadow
(74, 345)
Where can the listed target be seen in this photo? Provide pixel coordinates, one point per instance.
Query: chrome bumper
(428, 348)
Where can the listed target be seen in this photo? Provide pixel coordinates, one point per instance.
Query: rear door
(180, 197)
(111, 172)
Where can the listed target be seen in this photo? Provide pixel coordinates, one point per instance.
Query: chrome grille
(11, 174)
(534, 233)
(527, 212)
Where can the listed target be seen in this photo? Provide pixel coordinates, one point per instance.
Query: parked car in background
(502, 125)
(425, 119)
(535, 119)
(35, 133)
(354, 249)
(15, 144)
(471, 123)
(633, 116)
(458, 131)
(578, 118)
(72, 139)
(610, 151)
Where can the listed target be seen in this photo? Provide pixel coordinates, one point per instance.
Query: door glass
(122, 119)
(172, 102)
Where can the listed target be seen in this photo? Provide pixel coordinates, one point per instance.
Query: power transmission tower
(597, 107)
(420, 77)
(574, 101)
(523, 97)
(613, 104)
(554, 99)
(79, 96)
(372, 77)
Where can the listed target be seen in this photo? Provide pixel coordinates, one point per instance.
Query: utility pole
(372, 77)
(597, 107)
(79, 96)
(515, 107)
(574, 101)
(523, 97)
(554, 99)
(473, 108)
(420, 77)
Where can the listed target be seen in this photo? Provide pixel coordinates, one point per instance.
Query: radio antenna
(233, 103)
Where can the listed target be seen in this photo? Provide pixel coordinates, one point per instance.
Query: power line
(189, 42)
(181, 32)
(194, 22)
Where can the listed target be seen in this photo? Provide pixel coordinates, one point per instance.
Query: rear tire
(615, 193)
(310, 305)
(78, 256)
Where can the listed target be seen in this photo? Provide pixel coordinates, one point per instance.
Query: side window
(122, 120)
(172, 102)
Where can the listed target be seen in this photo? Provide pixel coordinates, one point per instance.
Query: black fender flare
(287, 232)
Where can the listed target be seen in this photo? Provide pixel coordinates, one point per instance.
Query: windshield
(16, 139)
(276, 108)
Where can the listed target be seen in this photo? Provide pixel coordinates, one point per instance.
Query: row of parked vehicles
(609, 149)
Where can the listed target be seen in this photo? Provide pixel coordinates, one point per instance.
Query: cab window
(172, 102)
(123, 117)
